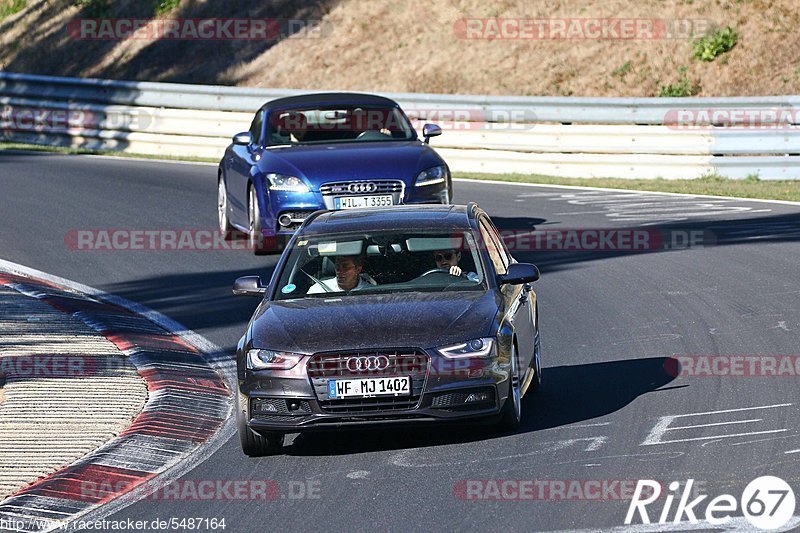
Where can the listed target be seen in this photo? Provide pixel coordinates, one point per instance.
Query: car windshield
(380, 262)
(316, 125)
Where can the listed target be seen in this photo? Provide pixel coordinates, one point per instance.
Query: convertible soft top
(303, 100)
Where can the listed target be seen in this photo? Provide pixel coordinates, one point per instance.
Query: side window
(255, 126)
(492, 248)
(503, 248)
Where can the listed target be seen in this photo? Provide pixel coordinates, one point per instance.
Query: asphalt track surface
(609, 320)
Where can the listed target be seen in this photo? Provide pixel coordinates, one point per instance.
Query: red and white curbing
(186, 416)
(68, 390)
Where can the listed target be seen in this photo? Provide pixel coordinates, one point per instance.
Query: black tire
(536, 384)
(258, 444)
(511, 415)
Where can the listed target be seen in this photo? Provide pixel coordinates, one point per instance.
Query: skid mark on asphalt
(768, 439)
(586, 444)
(763, 231)
(404, 460)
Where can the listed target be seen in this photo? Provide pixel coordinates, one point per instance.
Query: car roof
(329, 99)
(404, 217)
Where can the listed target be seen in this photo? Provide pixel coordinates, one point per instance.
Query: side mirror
(249, 286)
(430, 130)
(245, 138)
(519, 273)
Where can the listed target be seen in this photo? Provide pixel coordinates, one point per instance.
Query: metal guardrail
(623, 137)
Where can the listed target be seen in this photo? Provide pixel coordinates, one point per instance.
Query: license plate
(349, 388)
(358, 202)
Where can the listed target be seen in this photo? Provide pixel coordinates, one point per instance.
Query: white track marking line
(717, 437)
(718, 424)
(735, 410)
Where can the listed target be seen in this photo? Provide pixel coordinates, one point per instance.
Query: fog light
(260, 406)
(477, 397)
(285, 220)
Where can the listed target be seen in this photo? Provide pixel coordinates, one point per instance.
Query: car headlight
(280, 182)
(432, 176)
(272, 360)
(473, 348)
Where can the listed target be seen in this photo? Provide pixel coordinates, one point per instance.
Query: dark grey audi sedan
(410, 314)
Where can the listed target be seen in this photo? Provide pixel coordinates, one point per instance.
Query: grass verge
(86, 151)
(712, 185)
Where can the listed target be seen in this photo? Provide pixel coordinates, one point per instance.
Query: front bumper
(298, 206)
(292, 401)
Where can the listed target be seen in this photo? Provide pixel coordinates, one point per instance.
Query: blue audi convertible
(324, 151)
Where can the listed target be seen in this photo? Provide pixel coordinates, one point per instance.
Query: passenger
(298, 127)
(448, 260)
(348, 276)
(293, 125)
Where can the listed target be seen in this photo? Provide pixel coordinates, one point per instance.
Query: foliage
(162, 7)
(709, 47)
(10, 7)
(622, 70)
(683, 87)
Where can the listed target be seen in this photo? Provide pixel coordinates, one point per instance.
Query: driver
(348, 276)
(448, 260)
(364, 123)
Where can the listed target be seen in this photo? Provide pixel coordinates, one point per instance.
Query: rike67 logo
(767, 502)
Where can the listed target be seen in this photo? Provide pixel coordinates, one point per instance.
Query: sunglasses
(446, 256)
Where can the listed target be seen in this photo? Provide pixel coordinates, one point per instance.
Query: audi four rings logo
(362, 187)
(373, 362)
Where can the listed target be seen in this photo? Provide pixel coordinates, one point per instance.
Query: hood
(351, 161)
(418, 320)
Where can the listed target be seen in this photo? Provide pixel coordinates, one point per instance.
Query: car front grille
(335, 189)
(324, 367)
